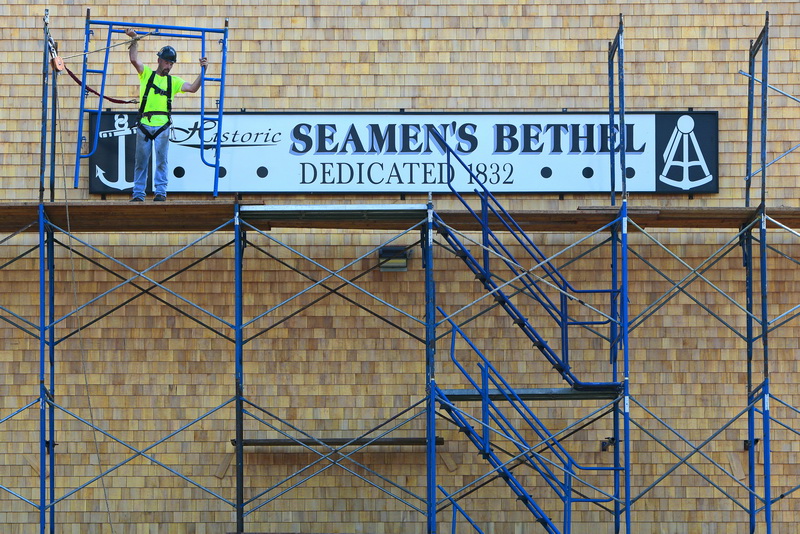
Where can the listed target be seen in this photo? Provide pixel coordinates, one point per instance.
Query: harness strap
(151, 136)
(149, 114)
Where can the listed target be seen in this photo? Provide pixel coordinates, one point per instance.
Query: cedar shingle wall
(335, 369)
(462, 56)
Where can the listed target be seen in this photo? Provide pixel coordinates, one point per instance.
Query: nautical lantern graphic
(683, 151)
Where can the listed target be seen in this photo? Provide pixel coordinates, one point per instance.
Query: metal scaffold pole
(430, 371)
(764, 331)
(624, 328)
(238, 255)
(619, 299)
(614, 353)
(43, 260)
(49, 103)
(46, 336)
(51, 342)
(747, 246)
(45, 72)
(758, 391)
(616, 52)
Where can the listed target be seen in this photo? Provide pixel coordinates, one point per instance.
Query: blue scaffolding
(99, 74)
(493, 425)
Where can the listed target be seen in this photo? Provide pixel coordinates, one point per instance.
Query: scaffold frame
(535, 281)
(113, 28)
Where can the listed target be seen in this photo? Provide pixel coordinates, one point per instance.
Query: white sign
(403, 153)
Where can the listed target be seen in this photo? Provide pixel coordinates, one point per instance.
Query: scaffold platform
(197, 215)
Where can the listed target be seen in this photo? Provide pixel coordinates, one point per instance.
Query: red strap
(114, 100)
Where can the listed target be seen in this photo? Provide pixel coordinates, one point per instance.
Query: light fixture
(393, 258)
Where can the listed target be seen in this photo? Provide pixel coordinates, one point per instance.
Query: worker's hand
(204, 62)
(130, 32)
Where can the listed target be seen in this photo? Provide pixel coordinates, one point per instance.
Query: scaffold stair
(533, 444)
(502, 469)
(489, 282)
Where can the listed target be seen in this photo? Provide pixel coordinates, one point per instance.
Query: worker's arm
(133, 51)
(195, 85)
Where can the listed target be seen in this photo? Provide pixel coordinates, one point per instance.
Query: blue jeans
(144, 150)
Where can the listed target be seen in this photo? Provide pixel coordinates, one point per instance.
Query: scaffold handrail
(482, 271)
(558, 362)
(499, 466)
(500, 386)
(490, 203)
(616, 49)
(758, 46)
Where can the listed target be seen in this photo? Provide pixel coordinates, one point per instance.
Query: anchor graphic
(121, 131)
(683, 137)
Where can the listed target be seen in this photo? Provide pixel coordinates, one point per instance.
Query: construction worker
(157, 89)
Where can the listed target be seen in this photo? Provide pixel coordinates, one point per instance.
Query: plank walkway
(193, 216)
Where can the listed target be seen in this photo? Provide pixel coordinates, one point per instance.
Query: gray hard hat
(168, 54)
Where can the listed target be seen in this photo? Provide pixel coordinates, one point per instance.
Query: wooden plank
(736, 465)
(337, 442)
(193, 216)
(224, 464)
(535, 394)
(448, 460)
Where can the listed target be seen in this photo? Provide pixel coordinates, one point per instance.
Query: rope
(78, 317)
(80, 82)
(110, 99)
(129, 41)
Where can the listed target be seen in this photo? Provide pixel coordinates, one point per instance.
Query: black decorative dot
(179, 172)
(546, 172)
(630, 172)
(588, 172)
(262, 172)
(222, 172)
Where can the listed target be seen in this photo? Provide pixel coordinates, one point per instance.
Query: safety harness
(149, 114)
